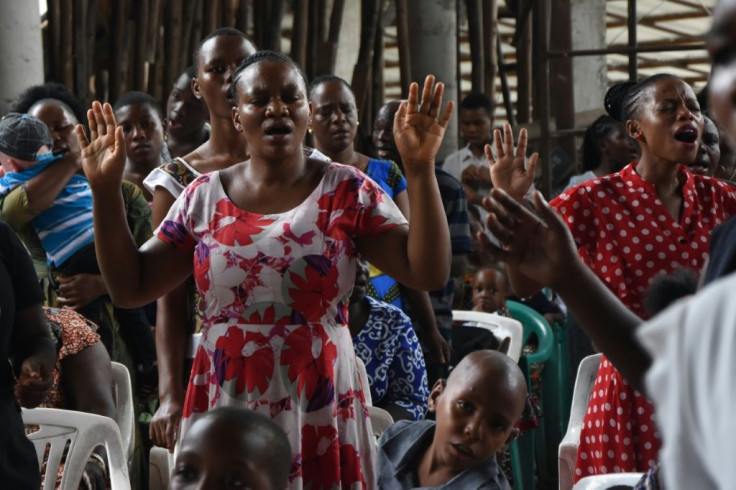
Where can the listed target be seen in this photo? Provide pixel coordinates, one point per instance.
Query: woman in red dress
(651, 218)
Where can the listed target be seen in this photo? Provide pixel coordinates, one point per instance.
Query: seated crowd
(133, 226)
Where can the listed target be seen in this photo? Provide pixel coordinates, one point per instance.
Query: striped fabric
(66, 225)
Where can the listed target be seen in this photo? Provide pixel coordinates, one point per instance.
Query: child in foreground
(475, 411)
(233, 447)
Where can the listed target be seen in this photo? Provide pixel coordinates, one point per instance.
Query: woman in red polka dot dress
(652, 217)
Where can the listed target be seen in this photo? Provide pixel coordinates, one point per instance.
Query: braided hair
(622, 101)
(265, 55)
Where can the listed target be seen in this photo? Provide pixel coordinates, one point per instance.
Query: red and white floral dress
(274, 292)
(627, 237)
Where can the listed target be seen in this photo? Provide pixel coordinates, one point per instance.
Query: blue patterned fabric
(387, 175)
(393, 359)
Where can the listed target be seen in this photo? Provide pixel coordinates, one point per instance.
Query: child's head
(476, 119)
(231, 445)
(490, 288)
(476, 410)
(140, 116)
(24, 141)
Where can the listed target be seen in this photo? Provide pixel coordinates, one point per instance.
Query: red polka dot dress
(627, 237)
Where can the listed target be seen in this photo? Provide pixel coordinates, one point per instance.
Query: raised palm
(418, 127)
(103, 155)
(509, 169)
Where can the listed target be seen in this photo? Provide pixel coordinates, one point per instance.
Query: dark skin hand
(32, 338)
(539, 245)
(79, 290)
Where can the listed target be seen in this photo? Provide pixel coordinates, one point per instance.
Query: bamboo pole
(155, 11)
(81, 85)
(310, 67)
(241, 21)
(55, 49)
(402, 31)
(362, 72)
(140, 38)
(475, 39)
(490, 36)
(158, 70)
(173, 42)
(187, 38)
(197, 27)
(523, 67)
(273, 33)
(328, 47)
(299, 32)
(260, 17)
(118, 21)
(211, 8)
(91, 53)
(376, 93)
(228, 9)
(67, 42)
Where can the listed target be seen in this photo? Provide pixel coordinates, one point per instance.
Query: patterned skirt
(302, 376)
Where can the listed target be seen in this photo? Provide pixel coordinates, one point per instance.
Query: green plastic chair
(556, 392)
(523, 450)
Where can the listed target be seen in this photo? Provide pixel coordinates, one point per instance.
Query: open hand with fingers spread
(540, 245)
(103, 155)
(509, 170)
(418, 127)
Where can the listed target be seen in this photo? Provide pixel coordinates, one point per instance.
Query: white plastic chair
(363, 375)
(160, 461)
(603, 482)
(125, 413)
(380, 421)
(500, 326)
(569, 446)
(84, 432)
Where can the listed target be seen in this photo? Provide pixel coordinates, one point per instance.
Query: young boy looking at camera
(475, 412)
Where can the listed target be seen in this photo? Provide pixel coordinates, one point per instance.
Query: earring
(309, 129)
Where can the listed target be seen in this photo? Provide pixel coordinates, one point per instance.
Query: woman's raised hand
(418, 127)
(540, 246)
(508, 170)
(103, 155)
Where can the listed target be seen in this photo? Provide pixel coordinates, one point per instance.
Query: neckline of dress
(316, 191)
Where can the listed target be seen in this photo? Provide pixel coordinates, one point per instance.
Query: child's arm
(42, 189)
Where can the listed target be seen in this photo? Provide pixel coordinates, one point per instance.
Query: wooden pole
(173, 31)
(187, 34)
(242, 16)
(561, 74)
(116, 82)
(299, 32)
(90, 34)
(55, 49)
(362, 72)
(67, 42)
(81, 84)
(490, 64)
(523, 67)
(211, 18)
(402, 33)
(508, 104)
(310, 66)
(475, 38)
(328, 48)
(273, 33)
(139, 60)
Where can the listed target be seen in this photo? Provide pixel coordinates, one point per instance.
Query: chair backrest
(569, 446)
(380, 421)
(159, 468)
(83, 432)
(363, 375)
(534, 323)
(501, 327)
(125, 413)
(604, 482)
(193, 344)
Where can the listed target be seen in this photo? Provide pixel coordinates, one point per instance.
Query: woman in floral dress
(272, 243)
